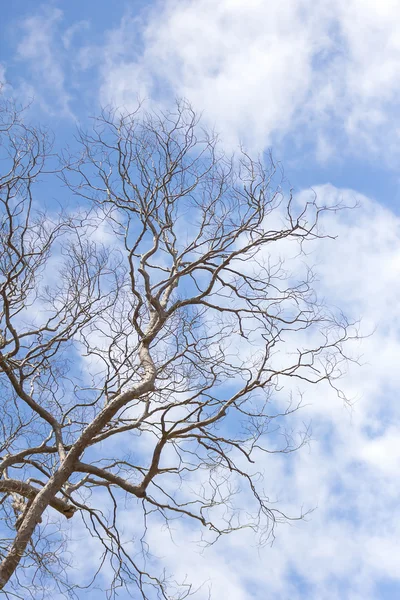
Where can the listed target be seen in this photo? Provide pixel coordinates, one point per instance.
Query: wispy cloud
(72, 31)
(38, 48)
(322, 73)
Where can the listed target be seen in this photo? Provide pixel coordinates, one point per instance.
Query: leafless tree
(145, 339)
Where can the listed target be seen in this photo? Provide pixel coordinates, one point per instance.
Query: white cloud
(72, 31)
(2, 73)
(324, 73)
(38, 49)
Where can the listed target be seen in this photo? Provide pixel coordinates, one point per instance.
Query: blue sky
(318, 83)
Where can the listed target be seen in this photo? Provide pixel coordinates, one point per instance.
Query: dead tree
(145, 339)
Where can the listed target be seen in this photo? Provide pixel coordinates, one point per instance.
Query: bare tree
(145, 338)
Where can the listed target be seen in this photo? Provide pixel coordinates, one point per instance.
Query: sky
(318, 83)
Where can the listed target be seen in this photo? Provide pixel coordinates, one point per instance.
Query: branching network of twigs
(145, 337)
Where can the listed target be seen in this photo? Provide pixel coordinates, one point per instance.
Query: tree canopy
(147, 332)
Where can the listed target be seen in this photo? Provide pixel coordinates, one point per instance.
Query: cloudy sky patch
(319, 84)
